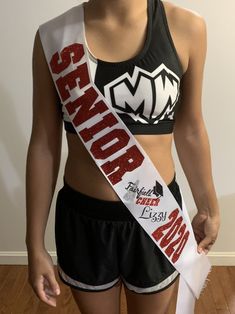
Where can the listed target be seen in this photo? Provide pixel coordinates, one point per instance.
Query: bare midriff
(83, 175)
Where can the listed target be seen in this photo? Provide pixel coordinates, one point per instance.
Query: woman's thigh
(163, 302)
(102, 302)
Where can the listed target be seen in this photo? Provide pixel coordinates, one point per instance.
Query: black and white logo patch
(145, 97)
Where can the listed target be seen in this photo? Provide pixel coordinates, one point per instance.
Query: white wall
(18, 24)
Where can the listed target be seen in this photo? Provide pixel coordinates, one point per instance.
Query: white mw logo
(144, 96)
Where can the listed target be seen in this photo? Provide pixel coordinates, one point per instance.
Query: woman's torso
(81, 172)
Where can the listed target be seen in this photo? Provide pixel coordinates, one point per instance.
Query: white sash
(120, 157)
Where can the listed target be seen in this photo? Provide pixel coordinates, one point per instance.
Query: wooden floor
(17, 297)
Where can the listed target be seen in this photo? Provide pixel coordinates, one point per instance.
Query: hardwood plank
(217, 291)
(10, 287)
(228, 287)
(208, 301)
(199, 307)
(27, 301)
(206, 304)
(16, 290)
(5, 269)
(231, 271)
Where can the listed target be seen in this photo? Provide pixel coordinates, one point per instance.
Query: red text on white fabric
(86, 107)
(172, 248)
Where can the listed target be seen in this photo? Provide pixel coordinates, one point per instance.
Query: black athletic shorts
(99, 241)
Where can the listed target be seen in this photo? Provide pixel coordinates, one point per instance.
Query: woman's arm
(191, 139)
(190, 135)
(42, 166)
(44, 151)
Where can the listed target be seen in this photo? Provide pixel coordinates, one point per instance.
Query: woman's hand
(41, 277)
(205, 230)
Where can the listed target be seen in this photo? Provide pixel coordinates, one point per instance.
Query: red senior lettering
(87, 107)
(69, 81)
(127, 162)
(72, 53)
(85, 101)
(107, 121)
(121, 137)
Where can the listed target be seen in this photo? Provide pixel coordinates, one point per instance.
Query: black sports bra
(143, 90)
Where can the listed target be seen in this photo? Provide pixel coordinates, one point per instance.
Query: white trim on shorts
(84, 285)
(155, 288)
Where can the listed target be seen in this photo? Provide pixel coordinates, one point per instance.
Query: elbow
(187, 132)
(191, 138)
(47, 141)
(45, 150)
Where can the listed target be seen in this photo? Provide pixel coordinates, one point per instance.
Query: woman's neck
(119, 10)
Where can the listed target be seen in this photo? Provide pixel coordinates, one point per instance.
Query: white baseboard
(20, 258)
(222, 258)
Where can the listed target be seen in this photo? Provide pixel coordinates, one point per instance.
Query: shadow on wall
(13, 146)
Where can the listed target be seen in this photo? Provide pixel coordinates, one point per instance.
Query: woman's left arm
(191, 138)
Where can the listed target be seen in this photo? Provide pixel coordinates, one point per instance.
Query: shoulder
(188, 23)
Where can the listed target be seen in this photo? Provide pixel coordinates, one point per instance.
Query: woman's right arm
(42, 166)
